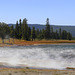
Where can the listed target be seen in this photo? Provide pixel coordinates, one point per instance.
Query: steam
(45, 56)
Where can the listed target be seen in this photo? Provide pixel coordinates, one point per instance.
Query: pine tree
(69, 36)
(64, 34)
(47, 29)
(40, 35)
(51, 32)
(57, 35)
(17, 30)
(4, 31)
(33, 35)
(43, 34)
(25, 29)
(20, 29)
(37, 33)
(60, 33)
(29, 33)
(12, 31)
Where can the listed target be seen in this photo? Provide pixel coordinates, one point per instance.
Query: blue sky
(60, 12)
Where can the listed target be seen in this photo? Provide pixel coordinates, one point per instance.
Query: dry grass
(23, 42)
(11, 71)
(70, 68)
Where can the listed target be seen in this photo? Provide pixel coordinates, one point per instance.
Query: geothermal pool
(38, 56)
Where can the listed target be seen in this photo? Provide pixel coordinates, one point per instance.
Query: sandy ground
(35, 72)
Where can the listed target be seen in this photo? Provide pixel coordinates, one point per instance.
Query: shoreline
(13, 45)
(33, 71)
(15, 71)
(28, 43)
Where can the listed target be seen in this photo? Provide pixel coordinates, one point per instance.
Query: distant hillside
(70, 29)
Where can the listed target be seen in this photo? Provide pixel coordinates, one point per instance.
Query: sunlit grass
(10, 42)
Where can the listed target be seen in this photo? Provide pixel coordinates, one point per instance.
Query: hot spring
(38, 56)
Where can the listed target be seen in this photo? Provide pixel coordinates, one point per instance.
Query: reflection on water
(40, 56)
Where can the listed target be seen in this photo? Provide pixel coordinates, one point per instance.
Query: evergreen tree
(43, 34)
(40, 35)
(51, 33)
(64, 35)
(54, 35)
(12, 31)
(60, 33)
(25, 29)
(69, 36)
(17, 30)
(33, 35)
(57, 35)
(20, 23)
(37, 33)
(4, 31)
(29, 33)
(20, 29)
(47, 29)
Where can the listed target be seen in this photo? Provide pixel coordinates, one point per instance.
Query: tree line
(23, 31)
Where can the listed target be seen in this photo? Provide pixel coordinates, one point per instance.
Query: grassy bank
(36, 42)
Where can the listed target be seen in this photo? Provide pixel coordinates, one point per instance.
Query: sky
(59, 12)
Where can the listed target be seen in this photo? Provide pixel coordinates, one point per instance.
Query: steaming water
(41, 56)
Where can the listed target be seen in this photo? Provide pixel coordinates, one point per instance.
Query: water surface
(39, 56)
